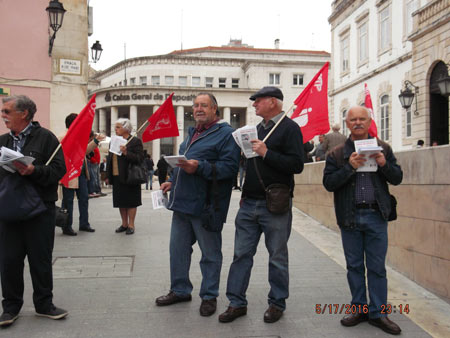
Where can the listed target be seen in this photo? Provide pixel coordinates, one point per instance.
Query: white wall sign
(67, 66)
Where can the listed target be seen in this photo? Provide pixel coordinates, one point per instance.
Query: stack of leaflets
(159, 199)
(115, 143)
(8, 156)
(367, 148)
(243, 136)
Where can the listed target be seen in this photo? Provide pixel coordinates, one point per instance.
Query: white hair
(369, 116)
(126, 124)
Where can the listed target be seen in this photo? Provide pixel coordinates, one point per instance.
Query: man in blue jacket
(363, 206)
(210, 142)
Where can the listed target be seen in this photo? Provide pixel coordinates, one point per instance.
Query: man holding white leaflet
(363, 206)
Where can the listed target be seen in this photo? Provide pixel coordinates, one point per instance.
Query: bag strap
(259, 175)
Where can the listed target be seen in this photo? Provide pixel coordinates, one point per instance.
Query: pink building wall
(24, 53)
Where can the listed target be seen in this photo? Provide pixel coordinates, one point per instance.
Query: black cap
(268, 92)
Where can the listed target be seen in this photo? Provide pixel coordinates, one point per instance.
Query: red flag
(75, 142)
(368, 103)
(162, 123)
(311, 113)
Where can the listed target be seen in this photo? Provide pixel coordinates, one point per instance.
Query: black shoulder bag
(19, 199)
(210, 216)
(277, 195)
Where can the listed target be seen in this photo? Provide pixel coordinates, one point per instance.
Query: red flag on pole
(311, 113)
(368, 103)
(75, 142)
(162, 123)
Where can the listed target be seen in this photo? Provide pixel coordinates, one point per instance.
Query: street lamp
(56, 12)
(96, 51)
(406, 96)
(444, 83)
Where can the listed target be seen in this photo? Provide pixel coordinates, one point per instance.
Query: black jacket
(135, 154)
(340, 178)
(283, 159)
(40, 144)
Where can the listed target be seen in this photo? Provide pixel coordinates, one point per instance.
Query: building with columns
(390, 45)
(135, 88)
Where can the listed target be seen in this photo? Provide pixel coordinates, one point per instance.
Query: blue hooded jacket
(189, 191)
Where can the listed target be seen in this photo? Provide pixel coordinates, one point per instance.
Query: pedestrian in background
(333, 139)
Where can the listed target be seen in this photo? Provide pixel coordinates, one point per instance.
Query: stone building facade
(383, 43)
(136, 87)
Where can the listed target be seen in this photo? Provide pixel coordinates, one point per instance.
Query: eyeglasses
(7, 111)
(203, 105)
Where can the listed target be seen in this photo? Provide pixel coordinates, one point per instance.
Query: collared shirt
(364, 192)
(19, 140)
(272, 121)
(201, 128)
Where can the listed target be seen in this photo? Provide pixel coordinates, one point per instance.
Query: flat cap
(268, 92)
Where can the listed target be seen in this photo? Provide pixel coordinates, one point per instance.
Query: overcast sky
(159, 27)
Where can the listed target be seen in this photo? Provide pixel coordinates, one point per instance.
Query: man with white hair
(333, 139)
(363, 207)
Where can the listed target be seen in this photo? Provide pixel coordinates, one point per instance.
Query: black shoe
(385, 324)
(129, 231)
(68, 231)
(121, 229)
(232, 313)
(7, 319)
(172, 298)
(272, 314)
(353, 319)
(208, 307)
(87, 229)
(53, 313)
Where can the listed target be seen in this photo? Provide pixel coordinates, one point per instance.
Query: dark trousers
(33, 238)
(83, 202)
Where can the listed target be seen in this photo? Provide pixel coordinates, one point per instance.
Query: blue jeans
(150, 180)
(368, 239)
(185, 231)
(252, 220)
(93, 183)
(83, 202)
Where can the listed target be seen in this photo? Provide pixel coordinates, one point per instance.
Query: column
(114, 118)
(95, 123)
(227, 114)
(133, 117)
(102, 121)
(180, 123)
(156, 151)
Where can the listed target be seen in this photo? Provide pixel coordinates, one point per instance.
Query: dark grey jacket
(340, 178)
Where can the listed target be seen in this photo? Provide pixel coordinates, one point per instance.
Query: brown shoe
(208, 307)
(272, 314)
(172, 298)
(232, 313)
(385, 324)
(353, 319)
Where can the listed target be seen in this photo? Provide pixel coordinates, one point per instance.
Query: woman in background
(126, 197)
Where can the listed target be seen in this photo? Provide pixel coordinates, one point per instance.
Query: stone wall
(419, 240)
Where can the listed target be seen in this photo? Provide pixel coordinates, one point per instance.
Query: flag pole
(53, 155)
(137, 131)
(276, 125)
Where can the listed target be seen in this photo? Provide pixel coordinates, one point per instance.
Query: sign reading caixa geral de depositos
(149, 96)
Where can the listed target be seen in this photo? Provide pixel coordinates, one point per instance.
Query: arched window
(384, 117)
(343, 124)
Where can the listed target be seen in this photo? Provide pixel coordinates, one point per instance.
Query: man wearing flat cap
(280, 157)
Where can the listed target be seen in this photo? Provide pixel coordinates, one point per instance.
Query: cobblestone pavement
(109, 283)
